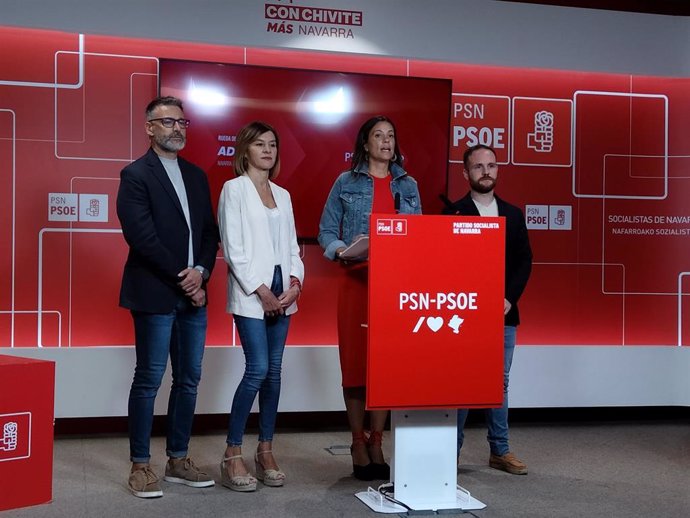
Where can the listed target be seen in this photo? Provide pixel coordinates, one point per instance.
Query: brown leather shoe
(509, 463)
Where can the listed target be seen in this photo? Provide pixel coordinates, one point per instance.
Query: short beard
(483, 188)
(167, 144)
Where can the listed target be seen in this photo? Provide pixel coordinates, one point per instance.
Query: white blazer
(248, 247)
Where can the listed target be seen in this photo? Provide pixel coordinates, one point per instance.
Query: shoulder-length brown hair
(245, 137)
(359, 155)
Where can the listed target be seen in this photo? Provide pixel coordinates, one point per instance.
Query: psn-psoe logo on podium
(437, 304)
(436, 323)
(15, 436)
(394, 227)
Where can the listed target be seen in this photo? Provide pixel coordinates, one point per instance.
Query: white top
(274, 227)
(175, 175)
(248, 246)
(487, 210)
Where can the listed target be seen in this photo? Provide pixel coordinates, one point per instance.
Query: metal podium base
(379, 504)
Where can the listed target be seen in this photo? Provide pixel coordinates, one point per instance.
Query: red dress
(353, 302)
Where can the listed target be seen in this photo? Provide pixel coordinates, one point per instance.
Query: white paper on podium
(358, 250)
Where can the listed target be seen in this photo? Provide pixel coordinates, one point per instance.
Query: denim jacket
(348, 207)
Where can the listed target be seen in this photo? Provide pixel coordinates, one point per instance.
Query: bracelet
(294, 282)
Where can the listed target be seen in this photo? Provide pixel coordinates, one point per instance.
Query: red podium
(436, 298)
(27, 389)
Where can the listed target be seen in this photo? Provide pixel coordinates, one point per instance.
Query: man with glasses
(164, 207)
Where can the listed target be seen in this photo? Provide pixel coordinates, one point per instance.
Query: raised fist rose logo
(542, 138)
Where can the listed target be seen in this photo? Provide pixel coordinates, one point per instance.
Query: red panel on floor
(27, 389)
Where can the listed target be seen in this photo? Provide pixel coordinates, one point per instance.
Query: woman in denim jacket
(376, 183)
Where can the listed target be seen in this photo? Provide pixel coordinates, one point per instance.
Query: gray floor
(607, 470)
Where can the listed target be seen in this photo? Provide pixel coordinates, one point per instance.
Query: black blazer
(518, 252)
(156, 231)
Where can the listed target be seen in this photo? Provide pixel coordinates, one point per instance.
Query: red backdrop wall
(600, 164)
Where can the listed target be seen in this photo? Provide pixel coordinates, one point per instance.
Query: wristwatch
(203, 271)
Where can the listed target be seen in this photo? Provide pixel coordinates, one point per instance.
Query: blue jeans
(496, 418)
(263, 343)
(181, 335)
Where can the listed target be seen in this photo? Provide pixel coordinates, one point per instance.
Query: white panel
(600, 376)
(95, 382)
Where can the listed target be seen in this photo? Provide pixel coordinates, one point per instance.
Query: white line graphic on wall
(56, 140)
(55, 84)
(662, 98)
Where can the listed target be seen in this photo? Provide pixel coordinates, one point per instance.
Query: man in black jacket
(164, 207)
(481, 171)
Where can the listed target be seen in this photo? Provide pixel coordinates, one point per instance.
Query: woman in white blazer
(265, 275)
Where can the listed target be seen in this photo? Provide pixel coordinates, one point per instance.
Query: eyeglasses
(169, 122)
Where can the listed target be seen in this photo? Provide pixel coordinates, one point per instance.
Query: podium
(436, 298)
(26, 431)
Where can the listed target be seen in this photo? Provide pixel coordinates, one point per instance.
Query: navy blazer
(518, 252)
(156, 231)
